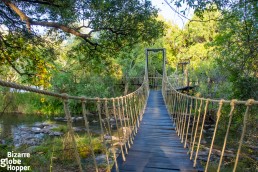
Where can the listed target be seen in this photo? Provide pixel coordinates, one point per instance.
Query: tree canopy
(224, 34)
(102, 28)
(90, 20)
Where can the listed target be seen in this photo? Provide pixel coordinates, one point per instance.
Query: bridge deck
(156, 146)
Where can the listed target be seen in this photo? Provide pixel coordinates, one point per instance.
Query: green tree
(28, 56)
(236, 48)
(233, 43)
(102, 28)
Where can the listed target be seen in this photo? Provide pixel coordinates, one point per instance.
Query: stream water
(19, 129)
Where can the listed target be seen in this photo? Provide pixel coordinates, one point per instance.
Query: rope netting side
(117, 118)
(214, 131)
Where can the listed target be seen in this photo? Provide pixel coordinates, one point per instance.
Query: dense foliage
(221, 43)
(86, 47)
(33, 30)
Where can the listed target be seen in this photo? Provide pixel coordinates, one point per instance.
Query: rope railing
(178, 80)
(208, 145)
(124, 112)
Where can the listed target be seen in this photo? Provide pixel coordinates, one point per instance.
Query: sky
(169, 14)
(166, 12)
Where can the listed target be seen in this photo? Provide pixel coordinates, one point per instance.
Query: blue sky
(169, 14)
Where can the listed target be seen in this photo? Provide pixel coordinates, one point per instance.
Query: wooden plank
(157, 147)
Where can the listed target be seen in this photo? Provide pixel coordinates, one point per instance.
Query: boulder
(78, 129)
(36, 130)
(56, 133)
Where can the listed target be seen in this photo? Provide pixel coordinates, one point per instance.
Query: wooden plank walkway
(156, 148)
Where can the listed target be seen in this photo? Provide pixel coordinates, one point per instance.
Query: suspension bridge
(159, 130)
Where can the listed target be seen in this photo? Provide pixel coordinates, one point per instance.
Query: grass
(58, 152)
(84, 146)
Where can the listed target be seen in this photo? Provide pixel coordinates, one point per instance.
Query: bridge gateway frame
(147, 50)
(163, 50)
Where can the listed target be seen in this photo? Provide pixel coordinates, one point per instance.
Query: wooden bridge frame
(147, 50)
